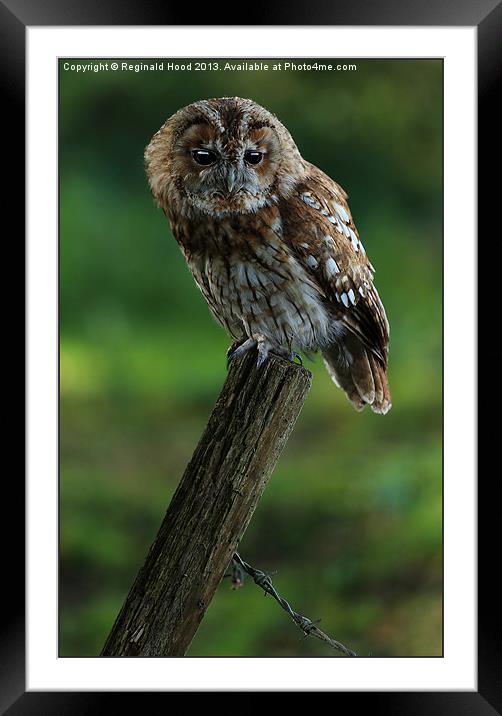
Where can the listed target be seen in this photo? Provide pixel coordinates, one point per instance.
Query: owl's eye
(204, 157)
(252, 157)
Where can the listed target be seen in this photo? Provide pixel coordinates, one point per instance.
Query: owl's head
(222, 156)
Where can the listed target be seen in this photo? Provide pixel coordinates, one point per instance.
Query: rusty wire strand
(264, 581)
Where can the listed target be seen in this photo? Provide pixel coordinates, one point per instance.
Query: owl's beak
(231, 179)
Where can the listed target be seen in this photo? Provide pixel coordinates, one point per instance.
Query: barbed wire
(263, 580)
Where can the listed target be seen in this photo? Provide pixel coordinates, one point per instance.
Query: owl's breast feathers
(252, 280)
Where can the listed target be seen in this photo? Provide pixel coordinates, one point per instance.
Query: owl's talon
(263, 350)
(240, 349)
(264, 347)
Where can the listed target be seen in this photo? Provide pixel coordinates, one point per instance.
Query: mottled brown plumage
(271, 243)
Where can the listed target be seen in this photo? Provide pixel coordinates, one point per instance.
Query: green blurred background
(352, 517)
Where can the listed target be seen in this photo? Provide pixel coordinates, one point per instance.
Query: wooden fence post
(211, 508)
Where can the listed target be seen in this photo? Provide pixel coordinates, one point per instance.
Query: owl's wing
(319, 228)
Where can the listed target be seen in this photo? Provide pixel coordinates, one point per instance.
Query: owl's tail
(362, 376)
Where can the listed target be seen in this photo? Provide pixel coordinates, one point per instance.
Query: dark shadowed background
(352, 517)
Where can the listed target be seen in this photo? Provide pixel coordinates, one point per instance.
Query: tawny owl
(271, 243)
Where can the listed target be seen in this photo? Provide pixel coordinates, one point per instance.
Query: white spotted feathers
(346, 276)
(341, 243)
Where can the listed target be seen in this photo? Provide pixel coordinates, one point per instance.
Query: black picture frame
(15, 17)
